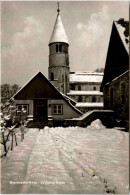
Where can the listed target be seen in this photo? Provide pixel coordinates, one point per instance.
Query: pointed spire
(58, 34)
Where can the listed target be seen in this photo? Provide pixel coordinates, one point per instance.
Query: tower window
(60, 48)
(79, 88)
(94, 88)
(56, 48)
(62, 78)
(66, 78)
(52, 76)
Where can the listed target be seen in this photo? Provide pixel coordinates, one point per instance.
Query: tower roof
(58, 34)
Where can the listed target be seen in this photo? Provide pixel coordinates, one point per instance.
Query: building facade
(85, 90)
(115, 84)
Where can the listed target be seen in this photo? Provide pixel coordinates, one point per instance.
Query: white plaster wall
(68, 112)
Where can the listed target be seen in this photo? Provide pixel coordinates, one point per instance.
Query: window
(52, 76)
(123, 93)
(72, 86)
(94, 88)
(80, 99)
(66, 78)
(56, 48)
(57, 109)
(60, 48)
(22, 109)
(93, 99)
(62, 78)
(79, 88)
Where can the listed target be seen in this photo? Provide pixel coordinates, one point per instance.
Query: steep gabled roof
(58, 34)
(36, 88)
(39, 87)
(117, 60)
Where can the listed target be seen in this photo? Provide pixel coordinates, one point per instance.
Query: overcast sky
(27, 27)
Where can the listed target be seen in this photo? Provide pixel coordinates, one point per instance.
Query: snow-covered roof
(89, 104)
(58, 34)
(65, 98)
(79, 77)
(68, 98)
(123, 28)
(72, 92)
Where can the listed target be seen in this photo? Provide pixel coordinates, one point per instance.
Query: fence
(11, 137)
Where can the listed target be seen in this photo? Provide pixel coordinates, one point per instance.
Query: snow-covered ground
(74, 160)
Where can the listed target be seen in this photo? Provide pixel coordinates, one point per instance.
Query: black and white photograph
(64, 110)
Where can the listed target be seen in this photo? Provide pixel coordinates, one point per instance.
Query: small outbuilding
(40, 101)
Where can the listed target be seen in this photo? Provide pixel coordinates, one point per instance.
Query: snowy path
(74, 158)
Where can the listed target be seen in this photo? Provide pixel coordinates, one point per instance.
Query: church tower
(58, 71)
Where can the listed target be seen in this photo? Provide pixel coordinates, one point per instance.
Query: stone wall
(87, 109)
(107, 118)
(119, 101)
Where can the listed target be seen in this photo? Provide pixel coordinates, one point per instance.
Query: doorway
(40, 110)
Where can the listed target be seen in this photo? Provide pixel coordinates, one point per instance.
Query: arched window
(93, 99)
(79, 88)
(52, 76)
(56, 48)
(94, 88)
(60, 48)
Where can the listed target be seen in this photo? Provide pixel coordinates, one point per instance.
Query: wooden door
(40, 110)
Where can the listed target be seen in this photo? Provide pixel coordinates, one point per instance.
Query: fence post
(4, 143)
(12, 142)
(15, 139)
